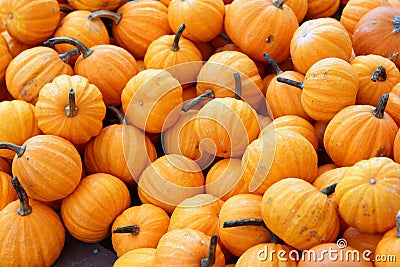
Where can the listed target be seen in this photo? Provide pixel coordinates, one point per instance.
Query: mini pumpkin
(143, 257)
(96, 5)
(316, 10)
(8, 193)
(5, 58)
(393, 104)
(362, 241)
(14, 47)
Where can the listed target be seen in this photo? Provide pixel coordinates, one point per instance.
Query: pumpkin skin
(185, 247)
(152, 224)
(299, 8)
(14, 47)
(91, 5)
(21, 116)
(250, 25)
(240, 238)
(41, 232)
(393, 105)
(53, 117)
(275, 156)
(19, 22)
(143, 257)
(204, 19)
(5, 58)
(28, 72)
(5, 165)
(369, 92)
(362, 241)
(388, 246)
(364, 181)
(150, 100)
(90, 210)
(4, 93)
(357, 126)
(320, 127)
(381, 23)
(396, 148)
(316, 9)
(8, 193)
(169, 180)
(317, 39)
(227, 63)
(309, 218)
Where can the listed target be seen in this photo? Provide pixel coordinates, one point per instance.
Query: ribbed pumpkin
(217, 74)
(362, 241)
(93, 5)
(91, 209)
(308, 217)
(393, 105)
(276, 155)
(26, 28)
(28, 72)
(48, 180)
(18, 124)
(368, 195)
(14, 47)
(299, 8)
(138, 227)
(143, 257)
(5, 165)
(377, 76)
(360, 126)
(107, 66)
(5, 58)
(317, 39)
(389, 245)
(32, 233)
(136, 24)
(8, 193)
(204, 19)
(188, 247)
(169, 180)
(70, 107)
(316, 9)
(250, 25)
(320, 127)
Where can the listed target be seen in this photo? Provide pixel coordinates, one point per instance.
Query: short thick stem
(115, 17)
(398, 224)
(244, 222)
(329, 190)
(24, 208)
(132, 229)
(238, 86)
(273, 63)
(279, 3)
(290, 82)
(209, 261)
(19, 150)
(379, 74)
(118, 114)
(379, 111)
(396, 24)
(71, 110)
(85, 51)
(67, 55)
(209, 93)
(178, 35)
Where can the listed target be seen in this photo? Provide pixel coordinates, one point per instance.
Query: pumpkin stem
(225, 37)
(396, 24)
(279, 3)
(67, 55)
(71, 110)
(379, 74)
(329, 190)
(66, 9)
(19, 150)
(24, 208)
(133, 229)
(115, 17)
(290, 82)
(244, 222)
(209, 261)
(398, 224)
(85, 51)
(118, 114)
(274, 238)
(175, 45)
(209, 93)
(238, 86)
(273, 63)
(379, 112)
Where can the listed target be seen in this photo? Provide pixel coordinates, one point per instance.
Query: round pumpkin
(5, 58)
(143, 257)
(316, 9)
(14, 47)
(92, 5)
(8, 193)
(362, 241)
(299, 8)
(393, 104)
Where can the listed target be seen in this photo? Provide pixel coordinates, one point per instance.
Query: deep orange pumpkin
(8, 193)
(143, 257)
(14, 47)
(393, 105)
(388, 246)
(5, 58)
(316, 9)
(91, 5)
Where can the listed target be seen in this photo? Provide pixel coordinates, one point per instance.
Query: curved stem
(132, 229)
(209, 93)
(67, 55)
(273, 63)
(290, 82)
(85, 51)
(329, 190)
(209, 261)
(398, 224)
(175, 45)
(66, 9)
(238, 86)
(118, 114)
(379, 111)
(244, 222)
(24, 208)
(19, 150)
(279, 3)
(379, 74)
(396, 24)
(115, 17)
(71, 110)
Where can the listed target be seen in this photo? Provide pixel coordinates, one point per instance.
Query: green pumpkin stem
(379, 74)
(329, 190)
(379, 111)
(273, 63)
(115, 17)
(209, 261)
(66, 9)
(24, 208)
(121, 118)
(209, 93)
(85, 51)
(244, 222)
(398, 224)
(175, 44)
(71, 110)
(19, 150)
(67, 55)
(238, 86)
(396, 24)
(299, 85)
(279, 3)
(132, 229)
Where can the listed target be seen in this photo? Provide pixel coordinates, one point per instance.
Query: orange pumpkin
(5, 57)
(316, 9)
(362, 241)
(96, 5)
(320, 127)
(4, 93)
(14, 47)
(326, 167)
(143, 257)
(388, 246)
(299, 8)
(393, 104)
(5, 165)
(8, 193)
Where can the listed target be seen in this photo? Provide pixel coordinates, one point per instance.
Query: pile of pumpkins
(244, 127)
